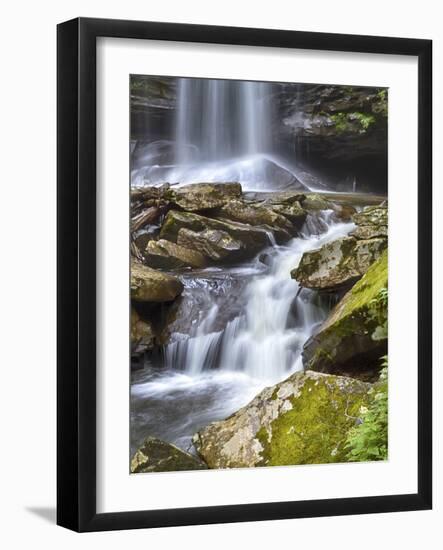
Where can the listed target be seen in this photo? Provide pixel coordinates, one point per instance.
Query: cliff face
(336, 135)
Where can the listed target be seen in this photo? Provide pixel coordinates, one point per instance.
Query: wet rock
(251, 238)
(342, 262)
(293, 211)
(148, 285)
(337, 264)
(142, 334)
(199, 197)
(164, 254)
(303, 420)
(254, 214)
(158, 456)
(314, 201)
(371, 222)
(215, 244)
(354, 336)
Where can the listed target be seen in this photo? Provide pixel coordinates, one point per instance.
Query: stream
(246, 331)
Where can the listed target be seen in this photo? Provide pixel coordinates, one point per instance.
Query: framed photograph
(244, 274)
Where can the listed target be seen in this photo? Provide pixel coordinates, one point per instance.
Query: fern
(369, 440)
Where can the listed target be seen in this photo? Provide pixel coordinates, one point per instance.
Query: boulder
(354, 337)
(254, 214)
(251, 238)
(293, 211)
(142, 334)
(156, 455)
(314, 201)
(198, 197)
(215, 244)
(303, 420)
(164, 254)
(148, 285)
(371, 222)
(337, 264)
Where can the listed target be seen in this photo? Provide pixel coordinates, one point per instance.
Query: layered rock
(158, 456)
(303, 420)
(254, 214)
(354, 337)
(251, 238)
(372, 222)
(165, 254)
(198, 197)
(215, 244)
(148, 285)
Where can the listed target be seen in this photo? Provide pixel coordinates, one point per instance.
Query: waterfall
(217, 117)
(265, 341)
(223, 131)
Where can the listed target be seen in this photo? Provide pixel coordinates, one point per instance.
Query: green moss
(341, 122)
(344, 121)
(369, 286)
(314, 431)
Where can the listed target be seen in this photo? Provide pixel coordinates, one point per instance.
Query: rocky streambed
(257, 327)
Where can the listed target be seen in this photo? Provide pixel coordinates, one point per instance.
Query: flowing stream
(251, 323)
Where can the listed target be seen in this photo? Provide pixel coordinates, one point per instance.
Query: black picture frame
(76, 265)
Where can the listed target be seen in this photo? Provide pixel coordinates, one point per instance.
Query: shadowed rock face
(142, 334)
(158, 456)
(303, 420)
(354, 337)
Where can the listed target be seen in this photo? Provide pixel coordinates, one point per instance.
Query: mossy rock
(254, 214)
(164, 254)
(148, 285)
(198, 197)
(303, 420)
(371, 222)
(156, 455)
(293, 211)
(314, 201)
(215, 244)
(349, 341)
(337, 264)
(251, 238)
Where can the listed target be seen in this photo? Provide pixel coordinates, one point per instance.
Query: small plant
(369, 440)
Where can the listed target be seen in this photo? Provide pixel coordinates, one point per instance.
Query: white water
(265, 341)
(214, 372)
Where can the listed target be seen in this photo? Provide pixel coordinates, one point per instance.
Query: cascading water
(224, 362)
(266, 340)
(223, 132)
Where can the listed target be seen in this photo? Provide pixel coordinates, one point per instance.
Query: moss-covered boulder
(148, 285)
(198, 197)
(354, 337)
(142, 334)
(372, 222)
(251, 238)
(156, 455)
(337, 264)
(303, 420)
(215, 244)
(164, 254)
